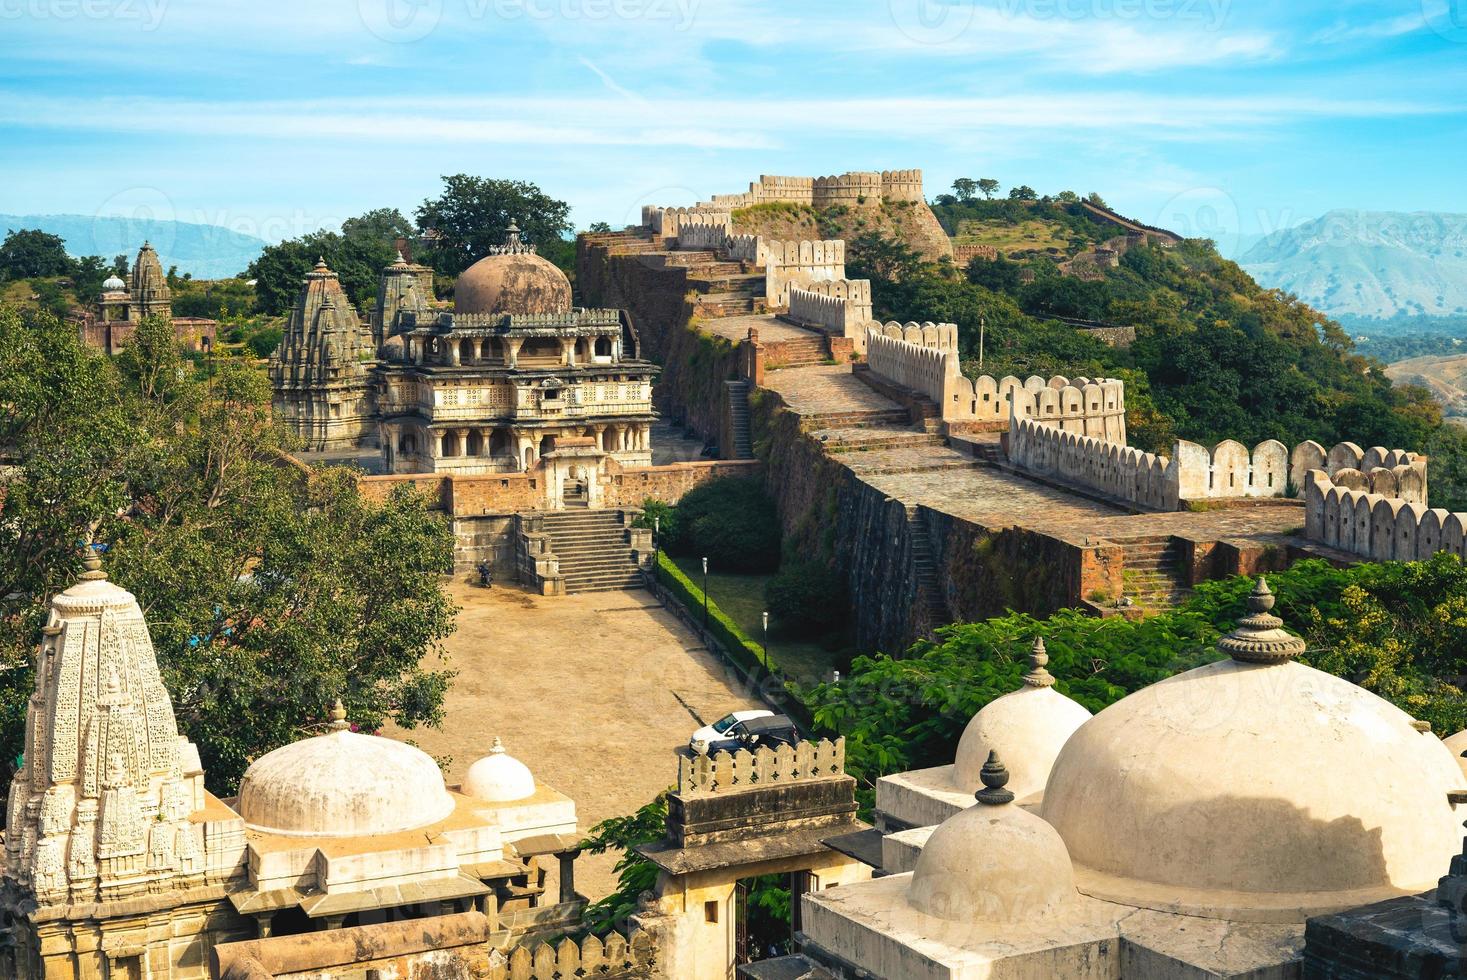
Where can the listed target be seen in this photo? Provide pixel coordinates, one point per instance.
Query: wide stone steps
(593, 549)
(1154, 575)
(856, 420)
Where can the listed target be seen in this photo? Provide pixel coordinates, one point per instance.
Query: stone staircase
(929, 587)
(801, 352)
(897, 418)
(738, 417)
(1155, 578)
(594, 550)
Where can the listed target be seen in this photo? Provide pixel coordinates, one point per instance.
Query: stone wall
(1120, 471)
(1341, 513)
(923, 357)
(837, 306)
(851, 189)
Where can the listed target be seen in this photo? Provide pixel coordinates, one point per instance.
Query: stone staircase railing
(724, 772)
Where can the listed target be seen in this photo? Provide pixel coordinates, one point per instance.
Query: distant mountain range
(204, 251)
(1378, 264)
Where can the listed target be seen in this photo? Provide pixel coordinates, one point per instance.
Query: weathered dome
(499, 777)
(113, 284)
(512, 279)
(343, 785)
(1028, 726)
(1457, 744)
(993, 861)
(1254, 788)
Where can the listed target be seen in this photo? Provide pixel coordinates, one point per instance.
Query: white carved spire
(103, 773)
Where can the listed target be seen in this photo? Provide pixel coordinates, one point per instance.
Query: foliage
(357, 254)
(634, 873)
(807, 597)
(268, 592)
(216, 299)
(747, 654)
(29, 253)
(262, 343)
(1447, 452)
(731, 521)
(659, 517)
(472, 213)
(1393, 628)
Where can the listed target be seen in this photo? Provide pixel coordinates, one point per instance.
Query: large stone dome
(512, 280)
(343, 785)
(993, 861)
(1027, 728)
(1254, 788)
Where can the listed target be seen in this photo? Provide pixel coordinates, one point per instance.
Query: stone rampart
(1375, 526)
(1129, 474)
(1311, 455)
(851, 189)
(963, 254)
(924, 358)
(788, 264)
(856, 189)
(670, 222)
(837, 306)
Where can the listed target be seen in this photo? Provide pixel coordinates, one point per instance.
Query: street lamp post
(766, 639)
(656, 545)
(705, 595)
(982, 330)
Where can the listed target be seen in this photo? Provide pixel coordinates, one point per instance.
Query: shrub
(807, 598)
(732, 521)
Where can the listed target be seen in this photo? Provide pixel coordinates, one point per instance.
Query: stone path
(770, 327)
(824, 389)
(592, 692)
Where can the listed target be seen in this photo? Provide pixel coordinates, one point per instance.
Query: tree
(268, 592)
(472, 214)
(87, 275)
(1023, 193)
(357, 254)
(1097, 200)
(600, 228)
(29, 253)
(1067, 197)
(876, 256)
(965, 188)
(988, 186)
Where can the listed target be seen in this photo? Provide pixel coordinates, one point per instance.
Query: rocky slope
(1369, 263)
(911, 222)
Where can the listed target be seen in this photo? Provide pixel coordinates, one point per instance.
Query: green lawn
(742, 598)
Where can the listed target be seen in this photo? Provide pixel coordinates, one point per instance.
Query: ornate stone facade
(320, 371)
(146, 293)
(510, 376)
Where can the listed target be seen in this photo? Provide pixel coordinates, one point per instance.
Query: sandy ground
(592, 692)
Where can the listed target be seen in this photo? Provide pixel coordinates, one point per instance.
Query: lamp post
(766, 639)
(656, 544)
(705, 595)
(982, 330)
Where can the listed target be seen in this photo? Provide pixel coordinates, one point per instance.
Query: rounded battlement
(856, 188)
(902, 185)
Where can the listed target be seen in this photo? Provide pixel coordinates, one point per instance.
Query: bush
(807, 598)
(731, 521)
(264, 343)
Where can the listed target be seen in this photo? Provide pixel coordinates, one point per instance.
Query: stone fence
(614, 959)
(1227, 471)
(669, 222)
(1118, 470)
(1375, 526)
(924, 358)
(725, 771)
(838, 306)
(861, 187)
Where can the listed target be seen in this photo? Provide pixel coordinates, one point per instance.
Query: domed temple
(120, 865)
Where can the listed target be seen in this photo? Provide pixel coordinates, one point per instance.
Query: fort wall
(837, 306)
(1340, 514)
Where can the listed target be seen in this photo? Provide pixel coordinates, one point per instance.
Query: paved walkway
(770, 327)
(592, 692)
(825, 389)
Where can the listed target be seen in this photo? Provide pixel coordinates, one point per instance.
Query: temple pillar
(512, 351)
(463, 441)
(567, 876)
(568, 351)
(435, 444)
(453, 360)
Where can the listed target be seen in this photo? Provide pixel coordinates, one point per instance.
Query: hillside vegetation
(1216, 356)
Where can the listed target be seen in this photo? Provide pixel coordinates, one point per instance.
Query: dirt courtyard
(592, 692)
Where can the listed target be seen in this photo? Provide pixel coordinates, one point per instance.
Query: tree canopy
(29, 253)
(269, 591)
(472, 214)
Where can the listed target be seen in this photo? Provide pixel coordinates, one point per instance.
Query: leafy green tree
(634, 873)
(732, 521)
(1097, 200)
(472, 214)
(599, 228)
(1023, 193)
(268, 592)
(1447, 450)
(30, 253)
(965, 188)
(988, 186)
(357, 255)
(807, 598)
(87, 275)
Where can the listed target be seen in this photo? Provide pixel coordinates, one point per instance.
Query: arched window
(450, 444)
(466, 351)
(603, 346)
(473, 445)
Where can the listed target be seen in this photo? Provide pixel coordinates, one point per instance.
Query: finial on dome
(1259, 637)
(995, 776)
(338, 717)
(401, 259)
(497, 748)
(93, 565)
(1037, 675)
(321, 263)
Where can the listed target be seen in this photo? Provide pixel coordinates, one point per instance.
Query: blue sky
(273, 118)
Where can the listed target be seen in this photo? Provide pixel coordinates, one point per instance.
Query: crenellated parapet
(1121, 471)
(723, 772)
(1341, 513)
(836, 306)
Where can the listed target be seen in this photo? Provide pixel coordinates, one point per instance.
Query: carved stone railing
(724, 772)
(614, 959)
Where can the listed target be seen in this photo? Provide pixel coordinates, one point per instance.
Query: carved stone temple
(120, 865)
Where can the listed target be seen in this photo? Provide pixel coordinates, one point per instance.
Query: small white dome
(113, 284)
(343, 785)
(1029, 726)
(499, 777)
(993, 862)
(1457, 744)
(1254, 788)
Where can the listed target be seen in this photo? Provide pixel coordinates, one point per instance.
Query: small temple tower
(320, 370)
(112, 843)
(145, 294)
